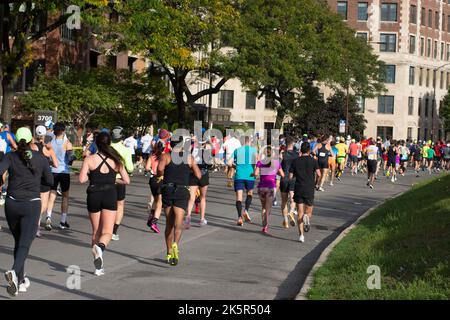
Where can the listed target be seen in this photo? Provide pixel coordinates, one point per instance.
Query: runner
(174, 169)
(287, 185)
(101, 170)
(47, 151)
(304, 169)
(323, 152)
(425, 148)
(64, 153)
(332, 160)
(416, 153)
(268, 169)
(230, 145)
(126, 156)
(9, 144)
(404, 156)
(131, 144)
(146, 141)
(341, 157)
(372, 157)
(23, 205)
(437, 155)
(353, 151)
(392, 154)
(446, 155)
(430, 158)
(155, 205)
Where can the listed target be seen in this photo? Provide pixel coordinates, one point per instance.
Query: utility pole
(210, 123)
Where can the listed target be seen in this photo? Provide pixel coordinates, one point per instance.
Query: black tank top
(323, 153)
(391, 153)
(288, 158)
(96, 177)
(177, 174)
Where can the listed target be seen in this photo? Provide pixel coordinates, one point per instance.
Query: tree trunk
(8, 100)
(181, 105)
(279, 119)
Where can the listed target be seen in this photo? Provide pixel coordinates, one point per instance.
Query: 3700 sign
(42, 118)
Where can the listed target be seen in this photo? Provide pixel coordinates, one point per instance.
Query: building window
(448, 52)
(410, 106)
(435, 49)
(409, 134)
(420, 76)
(423, 17)
(441, 80)
(362, 35)
(448, 23)
(270, 101)
(419, 110)
(430, 18)
(436, 20)
(389, 12)
(250, 100)
(385, 132)
(427, 102)
(412, 44)
(362, 11)
(442, 50)
(342, 9)
(434, 78)
(443, 22)
(428, 47)
(413, 14)
(361, 103)
(386, 104)
(226, 99)
(388, 42)
(427, 82)
(250, 124)
(389, 73)
(412, 73)
(422, 46)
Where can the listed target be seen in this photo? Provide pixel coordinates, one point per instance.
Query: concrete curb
(302, 295)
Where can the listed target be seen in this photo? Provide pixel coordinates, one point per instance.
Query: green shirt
(430, 153)
(125, 153)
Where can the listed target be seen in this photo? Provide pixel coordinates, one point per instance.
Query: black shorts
(155, 187)
(437, 159)
(417, 158)
(62, 179)
(133, 158)
(287, 185)
(121, 192)
(145, 156)
(300, 198)
(354, 159)
(175, 197)
(323, 164)
(203, 182)
(102, 198)
(391, 163)
(139, 152)
(2, 155)
(45, 188)
(372, 166)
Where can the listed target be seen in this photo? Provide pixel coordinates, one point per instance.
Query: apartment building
(413, 38)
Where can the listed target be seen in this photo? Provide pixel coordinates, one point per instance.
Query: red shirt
(437, 150)
(353, 149)
(364, 144)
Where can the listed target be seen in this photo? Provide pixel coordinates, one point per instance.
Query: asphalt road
(217, 261)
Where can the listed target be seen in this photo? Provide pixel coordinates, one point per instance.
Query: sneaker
(13, 286)
(291, 218)
(306, 223)
(339, 178)
(175, 255)
(203, 222)
(301, 238)
(371, 186)
(275, 203)
(246, 216)
(64, 225)
(265, 230)
(169, 256)
(240, 222)
(2, 201)
(393, 180)
(187, 222)
(331, 184)
(99, 272)
(321, 189)
(285, 224)
(368, 183)
(115, 237)
(48, 224)
(38, 233)
(24, 285)
(154, 228)
(59, 192)
(98, 257)
(229, 184)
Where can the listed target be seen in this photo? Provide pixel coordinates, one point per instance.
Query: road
(218, 261)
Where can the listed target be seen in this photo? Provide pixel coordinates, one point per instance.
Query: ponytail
(25, 154)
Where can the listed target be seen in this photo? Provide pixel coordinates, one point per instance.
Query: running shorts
(372, 166)
(300, 198)
(45, 188)
(266, 192)
(287, 185)
(418, 158)
(145, 156)
(331, 162)
(203, 182)
(2, 155)
(62, 179)
(155, 187)
(121, 192)
(437, 159)
(323, 164)
(391, 163)
(175, 197)
(354, 159)
(102, 197)
(244, 185)
(340, 160)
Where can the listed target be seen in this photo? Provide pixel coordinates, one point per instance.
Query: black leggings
(22, 217)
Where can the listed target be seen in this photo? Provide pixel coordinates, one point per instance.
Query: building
(413, 38)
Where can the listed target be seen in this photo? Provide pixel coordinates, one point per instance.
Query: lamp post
(434, 97)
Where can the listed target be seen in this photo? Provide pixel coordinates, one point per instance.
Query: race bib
(322, 154)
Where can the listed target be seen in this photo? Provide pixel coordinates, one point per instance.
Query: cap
(117, 133)
(353, 140)
(305, 135)
(49, 124)
(40, 131)
(349, 137)
(24, 134)
(163, 134)
(342, 139)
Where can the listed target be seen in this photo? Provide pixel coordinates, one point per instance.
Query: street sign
(341, 126)
(42, 116)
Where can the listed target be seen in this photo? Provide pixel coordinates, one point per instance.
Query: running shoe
(48, 224)
(240, 222)
(306, 223)
(371, 186)
(285, 224)
(169, 256)
(321, 189)
(275, 203)
(64, 225)
(265, 230)
(246, 216)
(154, 227)
(301, 238)
(99, 272)
(203, 222)
(98, 257)
(175, 255)
(392, 179)
(24, 285)
(331, 184)
(229, 184)
(58, 191)
(13, 285)
(339, 178)
(38, 233)
(291, 218)
(368, 183)
(2, 201)
(187, 222)
(115, 237)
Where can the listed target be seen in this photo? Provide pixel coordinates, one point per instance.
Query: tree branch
(208, 91)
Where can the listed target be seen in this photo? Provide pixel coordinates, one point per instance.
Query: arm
(129, 162)
(125, 178)
(11, 140)
(49, 152)
(148, 165)
(4, 165)
(195, 168)
(162, 165)
(47, 173)
(83, 178)
(281, 173)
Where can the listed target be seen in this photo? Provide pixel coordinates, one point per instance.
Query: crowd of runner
(36, 168)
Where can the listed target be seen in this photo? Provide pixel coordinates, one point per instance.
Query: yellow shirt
(425, 151)
(342, 149)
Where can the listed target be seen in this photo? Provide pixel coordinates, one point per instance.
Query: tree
(444, 113)
(19, 28)
(183, 38)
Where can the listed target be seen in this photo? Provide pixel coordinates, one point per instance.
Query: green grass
(407, 237)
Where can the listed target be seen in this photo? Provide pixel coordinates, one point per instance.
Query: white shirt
(146, 143)
(372, 152)
(230, 145)
(131, 143)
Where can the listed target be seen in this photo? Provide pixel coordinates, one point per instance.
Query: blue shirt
(58, 147)
(245, 160)
(4, 136)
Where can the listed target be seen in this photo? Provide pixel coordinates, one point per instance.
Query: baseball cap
(349, 137)
(342, 139)
(24, 134)
(353, 140)
(305, 135)
(117, 133)
(40, 131)
(49, 124)
(163, 134)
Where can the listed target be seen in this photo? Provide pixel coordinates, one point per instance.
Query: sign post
(42, 116)
(342, 126)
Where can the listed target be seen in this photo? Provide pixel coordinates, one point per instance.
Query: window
(412, 44)
(435, 49)
(388, 42)
(443, 22)
(342, 9)
(389, 74)
(385, 132)
(386, 104)
(430, 18)
(250, 124)
(441, 80)
(427, 102)
(362, 11)
(389, 12)
(270, 102)
(410, 106)
(442, 50)
(361, 103)
(362, 35)
(250, 100)
(436, 20)
(423, 17)
(428, 47)
(412, 72)
(413, 14)
(409, 134)
(226, 99)
(419, 111)
(434, 78)
(418, 133)
(421, 77)
(427, 82)
(422, 46)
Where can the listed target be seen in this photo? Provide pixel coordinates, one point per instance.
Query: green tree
(444, 113)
